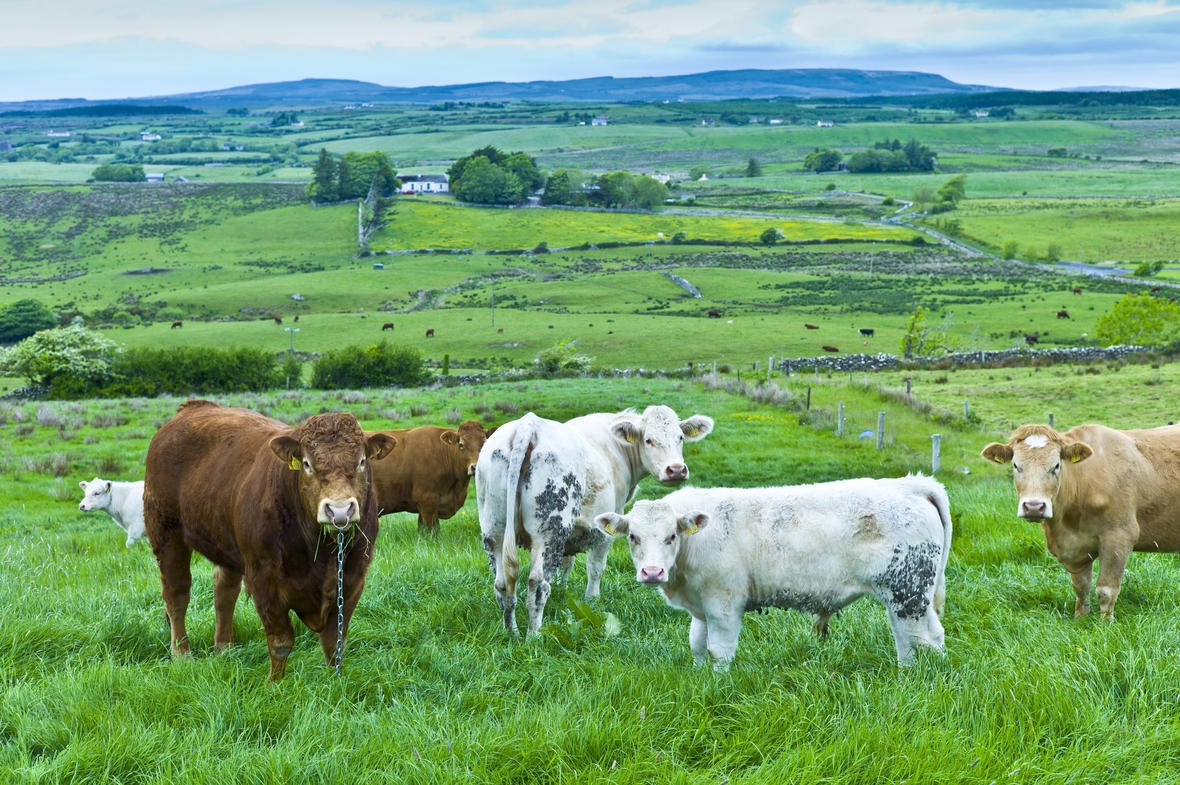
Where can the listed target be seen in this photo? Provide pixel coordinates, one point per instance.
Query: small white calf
(814, 548)
(123, 501)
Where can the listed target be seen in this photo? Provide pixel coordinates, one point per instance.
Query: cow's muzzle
(471, 470)
(1035, 509)
(652, 575)
(339, 513)
(674, 474)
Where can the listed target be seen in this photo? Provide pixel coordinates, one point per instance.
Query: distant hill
(710, 86)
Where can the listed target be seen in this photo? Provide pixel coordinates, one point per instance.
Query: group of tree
(947, 198)
(893, 156)
(825, 160)
(352, 176)
(1140, 320)
(284, 118)
(490, 176)
(20, 319)
(613, 189)
(119, 173)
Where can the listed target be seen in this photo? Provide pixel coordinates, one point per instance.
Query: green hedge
(182, 370)
(377, 365)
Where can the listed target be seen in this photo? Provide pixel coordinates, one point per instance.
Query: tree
(614, 189)
(647, 192)
(1011, 249)
(1140, 319)
(324, 178)
(485, 183)
(119, 173)
(697, 172)
(753, 168)
(22, 318)
(923, 194)
(953, 190)
(1142, 270)
(822, 160)
(525, 169)
(922, 340)
(357, 173)
(563, 357)
(558, 188)
(376, 365)
(75, 352)
(771, 236)
(868, 161)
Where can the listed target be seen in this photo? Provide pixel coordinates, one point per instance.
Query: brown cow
(811, 326)
(387, 326)
(830, 349)
(177, 324)
(296, 317)
(1077, 290)
(430, 332)
(1099, 494)
(262, 501)
(1031, 340)
(500, 330)
(428, 471)
(278, 320)
(714, 314)
(1063, 314)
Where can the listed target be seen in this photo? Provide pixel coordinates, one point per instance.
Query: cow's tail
(937, 496)
(523, 439)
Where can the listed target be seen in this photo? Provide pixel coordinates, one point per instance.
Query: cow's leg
(1081, 579)
(940, 592)
(698, 640)
(1112, 561)
(916, 629)
(428, 514)
(227, 585)
(563, 572)
(493, 544)
(596, 562)
(352, 595)
(276, 622)
(724, 624)
(176, 580)
(544, 559)
(820, 625)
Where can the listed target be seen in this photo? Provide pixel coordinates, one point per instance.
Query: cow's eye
(462, 446)
(1057, 467)
(671, 539)
(1017, 468)
(634, 540)
(306, 465)
(649, 442)
(361, 465)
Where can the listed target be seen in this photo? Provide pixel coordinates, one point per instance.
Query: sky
(102, 49)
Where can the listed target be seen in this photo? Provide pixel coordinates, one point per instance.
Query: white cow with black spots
(719, 552)
(551, 479)
(123, 501)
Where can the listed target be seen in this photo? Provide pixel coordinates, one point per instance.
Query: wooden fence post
(936, 453)
(1050, 419)
(769, 368)
(966, 409)
(909, 384)
(840, 419)
(809, 397)
(880, 430)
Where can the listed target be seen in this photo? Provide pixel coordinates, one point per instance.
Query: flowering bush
(563, 357)
(72, 351)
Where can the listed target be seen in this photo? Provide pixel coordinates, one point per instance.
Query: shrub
(184, 370)
(292, 369)
(1057, 152)
(679, 238)
(1010, 250)
(377, 365)
(67, 352)
(23, 318)
(822, 160)
(1140, 319)
(563, 357)
(1053, 252)
(888, 201)
(119, 173)
(771, 236)
(1148, 269)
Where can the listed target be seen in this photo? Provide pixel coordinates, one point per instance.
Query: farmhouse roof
(423, 178)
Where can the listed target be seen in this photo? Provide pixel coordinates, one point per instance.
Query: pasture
(434, 691)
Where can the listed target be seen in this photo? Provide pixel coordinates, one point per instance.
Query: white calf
(815, 548)
(550, 479)
(123, 501)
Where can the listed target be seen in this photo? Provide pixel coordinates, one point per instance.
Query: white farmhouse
(824, 124)
(600, 120)
(425, 184)
(149, 136)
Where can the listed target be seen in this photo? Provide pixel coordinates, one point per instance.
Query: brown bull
(428, 472)
(262, 501)
(1099, 494)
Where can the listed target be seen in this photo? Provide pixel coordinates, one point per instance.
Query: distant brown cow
(1063, 314)
(1031, 340)
(1077, 290)
(430, 333)
(1098, 494)
(428, 471)
(387, 326)
(1155, 289)
(278, 320)
(500, 330)
(830, 349)
(262, 500)
(811, 326)
(296, 317)
(714, 314)
(177, 324)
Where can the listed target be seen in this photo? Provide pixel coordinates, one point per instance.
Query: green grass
(434, 691)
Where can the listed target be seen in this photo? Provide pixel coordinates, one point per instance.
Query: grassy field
(434, 691)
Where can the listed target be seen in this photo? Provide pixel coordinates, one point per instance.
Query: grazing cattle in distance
(827, 348)
(1155, 289)
(123, 501)
(500, 330)
(610, 332)
(387, 326)
(811, 326)
(262, 501)
(1063, 314)
(721, 552)
(542, 482)
(278, 320)
(714, 314)
(868, 333)
(1099, 494)
(428, 471)
(177, 324)
(1077, 290)
(430, 333)
(1031, 340)
(296, 317)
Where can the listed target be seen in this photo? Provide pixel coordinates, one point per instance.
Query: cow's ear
(489, 431)
(696, 427)
(450, 437)
(108, 490)
(1076, 451)
(82, 484)
(625, 431)
(288, 449)
(692, 522)
(379, 445)
(997, 453)
(612, 523)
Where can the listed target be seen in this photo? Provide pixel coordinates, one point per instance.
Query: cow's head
(331, 454)
(1039, 455)
(466, 442)
(659, 436)
(655, 532)
(98, 495)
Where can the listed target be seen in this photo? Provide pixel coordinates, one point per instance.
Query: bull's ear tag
(294, 464)
(631, 438)
(692, 528)
(610, 529)
(693, 432)
(1075, 459)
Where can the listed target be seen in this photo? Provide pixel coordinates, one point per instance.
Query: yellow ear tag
(610, 529)
(294, 464)
(1075, 459)
(694, 432)
(631, 438)
(692, 529)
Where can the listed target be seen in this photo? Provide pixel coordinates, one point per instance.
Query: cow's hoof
(1081, 610)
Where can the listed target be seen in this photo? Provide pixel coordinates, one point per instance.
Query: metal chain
(339, 599)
